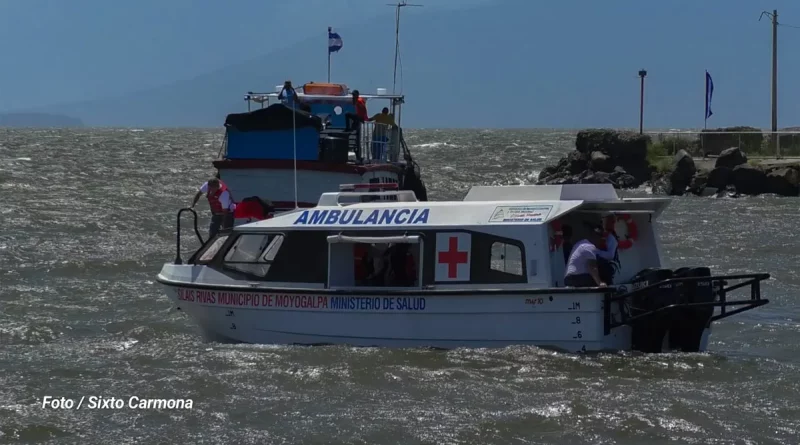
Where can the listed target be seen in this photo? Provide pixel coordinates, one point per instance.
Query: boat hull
(569, 322)
(276, 182)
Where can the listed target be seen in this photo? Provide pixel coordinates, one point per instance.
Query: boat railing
(719, 289)
(178, 259)
(379, 143)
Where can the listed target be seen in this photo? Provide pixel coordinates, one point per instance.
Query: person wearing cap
(582, 268)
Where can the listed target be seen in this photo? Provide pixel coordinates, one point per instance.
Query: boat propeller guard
(675, 312)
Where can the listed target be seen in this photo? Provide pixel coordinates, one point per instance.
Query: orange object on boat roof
(326, 89)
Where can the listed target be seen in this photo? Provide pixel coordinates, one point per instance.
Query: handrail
(178, 259)
(753, 280)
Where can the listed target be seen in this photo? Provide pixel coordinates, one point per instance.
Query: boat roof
(483, 205)
(264, 96)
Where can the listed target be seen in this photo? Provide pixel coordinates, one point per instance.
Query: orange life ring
(632, 230)
(558, 236)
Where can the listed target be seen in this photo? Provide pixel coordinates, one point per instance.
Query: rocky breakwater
(603, 157)
(731, 175)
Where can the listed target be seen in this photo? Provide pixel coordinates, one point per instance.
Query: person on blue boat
(583, 264)
(380, 135)
(288, 95)
(353, 121)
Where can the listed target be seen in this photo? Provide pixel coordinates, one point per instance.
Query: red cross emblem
(453, 257)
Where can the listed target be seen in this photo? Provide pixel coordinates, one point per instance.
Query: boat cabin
(509, 237)
(320, 118)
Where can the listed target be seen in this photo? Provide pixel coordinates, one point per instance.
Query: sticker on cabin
(362, 217)
(520, 214)
(453, 256)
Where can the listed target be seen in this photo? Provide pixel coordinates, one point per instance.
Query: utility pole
(642, 74)
(397, 5)
(774, 17)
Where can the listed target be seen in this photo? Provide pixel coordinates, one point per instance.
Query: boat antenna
(294, 144)
(397, 5)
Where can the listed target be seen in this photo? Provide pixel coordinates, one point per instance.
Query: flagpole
(705, 110)
(329, 56)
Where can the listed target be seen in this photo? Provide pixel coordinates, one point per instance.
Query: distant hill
(507, 64)
(429, 58)
(35, 120)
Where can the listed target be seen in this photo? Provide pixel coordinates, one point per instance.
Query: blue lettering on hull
(361, 217)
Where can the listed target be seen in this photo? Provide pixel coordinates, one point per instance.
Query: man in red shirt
(357, 119)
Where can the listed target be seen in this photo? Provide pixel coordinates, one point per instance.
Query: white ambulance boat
(483, 272)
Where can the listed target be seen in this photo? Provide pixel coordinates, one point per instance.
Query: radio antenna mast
(397, 5)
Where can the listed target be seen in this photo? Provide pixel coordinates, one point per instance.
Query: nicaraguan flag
(334, 41)
(709, 93)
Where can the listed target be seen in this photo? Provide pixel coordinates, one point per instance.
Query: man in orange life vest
(354, 120)
(221, 203)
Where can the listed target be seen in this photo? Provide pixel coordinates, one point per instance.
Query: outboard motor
(649, 332)
(687, 324)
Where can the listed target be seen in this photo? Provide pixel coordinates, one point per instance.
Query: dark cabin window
(302, 258)
(295, 257)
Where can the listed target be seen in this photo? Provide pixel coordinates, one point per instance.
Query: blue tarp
(275, 144)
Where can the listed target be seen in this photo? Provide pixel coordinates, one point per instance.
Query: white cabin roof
(494, 205)
(571, 192)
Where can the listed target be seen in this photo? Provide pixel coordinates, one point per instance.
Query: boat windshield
(212, 249)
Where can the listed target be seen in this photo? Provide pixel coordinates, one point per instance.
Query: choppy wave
(88, 219)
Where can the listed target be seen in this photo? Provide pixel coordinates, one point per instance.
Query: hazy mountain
(38, 120)
(448, 62)
(513, 63)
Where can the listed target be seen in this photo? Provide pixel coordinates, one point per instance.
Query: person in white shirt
(221, 203)
(582, 270)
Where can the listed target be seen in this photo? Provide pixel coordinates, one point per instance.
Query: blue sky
(566, 63)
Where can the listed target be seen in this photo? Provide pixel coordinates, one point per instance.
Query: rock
(698, 183)
(574, 163)
(682, 173)
(719, 178)
(639, 169)
(601, 162)
(621, 179)
(660, 184)
(547, 172)
(615, 144)
(783, 181)
(730, 158)
(748, 179)
(620, 156)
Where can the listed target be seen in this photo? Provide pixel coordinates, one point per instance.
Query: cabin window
(211, 249)
(253, 253)
(374, 261)
(506, 258)
(302, 258)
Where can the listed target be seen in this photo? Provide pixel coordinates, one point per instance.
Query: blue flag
(709, 93)
(334, 41)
